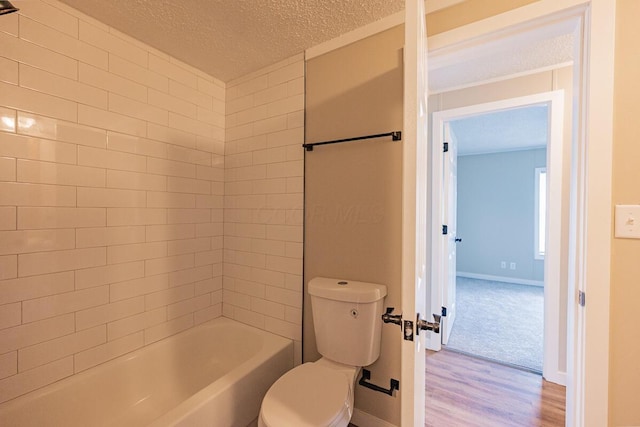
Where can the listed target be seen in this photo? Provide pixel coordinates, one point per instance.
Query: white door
(414, 213)
(449, 240)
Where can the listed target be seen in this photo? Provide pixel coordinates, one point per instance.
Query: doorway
(499, 235)
(550, 107)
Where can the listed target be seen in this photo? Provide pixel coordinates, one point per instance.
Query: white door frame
(552, 277)
(591, 231)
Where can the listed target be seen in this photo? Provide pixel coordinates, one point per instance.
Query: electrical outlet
(512, 266)
(503, 264)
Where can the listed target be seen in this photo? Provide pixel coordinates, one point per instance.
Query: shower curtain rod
(395, 136)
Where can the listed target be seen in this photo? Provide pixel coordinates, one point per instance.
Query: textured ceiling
(230, 38)
(507, 130)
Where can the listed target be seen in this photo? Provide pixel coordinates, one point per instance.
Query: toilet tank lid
(346, 290)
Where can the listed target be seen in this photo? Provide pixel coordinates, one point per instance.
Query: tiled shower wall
(264, 199)
(111, 197)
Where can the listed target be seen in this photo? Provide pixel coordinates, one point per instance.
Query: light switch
(627, 221)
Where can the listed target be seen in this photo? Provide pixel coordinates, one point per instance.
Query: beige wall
(560, 79)
(353, 190)
(263, 199)
(625, 268)
(110, 195)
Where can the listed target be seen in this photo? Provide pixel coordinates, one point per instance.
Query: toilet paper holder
(366, 376)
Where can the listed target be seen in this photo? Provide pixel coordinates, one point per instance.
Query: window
(540, 220)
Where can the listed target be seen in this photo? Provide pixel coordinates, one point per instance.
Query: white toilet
(347, 322)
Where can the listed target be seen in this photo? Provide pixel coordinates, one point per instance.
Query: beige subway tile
(105, 352)
(283, 328)
(289, 233)
(209, 202)
(8, 71)
(293, 315)
(37, 102)
(251, 86)
(268, 277)
(284, 296)
(132, 324)
(51, 262)
(293, 136)
(52, 84)
(62, 43)
(208, 286)
(295, 120)
(112, 44)
(285, 169)
(136, 252)
(208, 257)
(271, 94)
(172, 103)
(215, 89)
(22, 194)
(208, 313)
(268, 308)
(8, 218)
(173, 71)
(60, 174)
(188, 216)
(40, 354)
(178, 247)
(209, 230)
(111, 198)
(35, 332)
(191, 275)
(140, 110)
(286, 106)
(138, 287)
(18, 242)
(171, 168)
(171, 135)
(8, 169)
(136, 181)
(211, 117)
(10, 315)
(97, 276)
(284, 264)
(138, 74)
(44, 218)
(111, 121)
(9, 24)
(50, 16)
(268, 247)
(136, 145)
(104, 314)
(109, 236)
(187, 124)
(8, 267)
(111, 82)
(168, 264)
(210, 173)
(29, 53)
(295, 86)
(287, 73)
(136, 216)
(45, 127)
(188, 185)
(156, 233)
(170, 200)
(8, 115)
(294, 250)
(21, 147)
(188, 155)
(168, 296)
(188, 306)
(284, 201)
(8, 364)
(36, 378)
(164, 330)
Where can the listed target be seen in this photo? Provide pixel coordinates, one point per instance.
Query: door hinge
(444, 311)
(445, 229)
(445, 148)
(582, 298)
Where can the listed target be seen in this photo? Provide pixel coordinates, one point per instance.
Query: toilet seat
(310, 395)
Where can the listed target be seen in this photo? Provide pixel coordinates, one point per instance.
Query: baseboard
(363, 419)
(557, 378)
(501, 279)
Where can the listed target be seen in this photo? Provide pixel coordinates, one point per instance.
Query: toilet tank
(347, 319)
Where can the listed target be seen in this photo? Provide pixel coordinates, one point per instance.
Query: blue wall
(496, 214)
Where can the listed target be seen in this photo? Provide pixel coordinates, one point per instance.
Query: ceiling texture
(230, 38)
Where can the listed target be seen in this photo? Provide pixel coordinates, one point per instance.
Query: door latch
(424, 325)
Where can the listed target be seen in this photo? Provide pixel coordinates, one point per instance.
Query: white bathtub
(213, 375)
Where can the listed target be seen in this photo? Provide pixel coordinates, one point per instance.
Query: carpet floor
(499, 321)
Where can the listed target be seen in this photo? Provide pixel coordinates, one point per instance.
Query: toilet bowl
(347, 321)
(317, 394)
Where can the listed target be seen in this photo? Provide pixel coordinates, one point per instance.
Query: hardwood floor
(462, 391)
